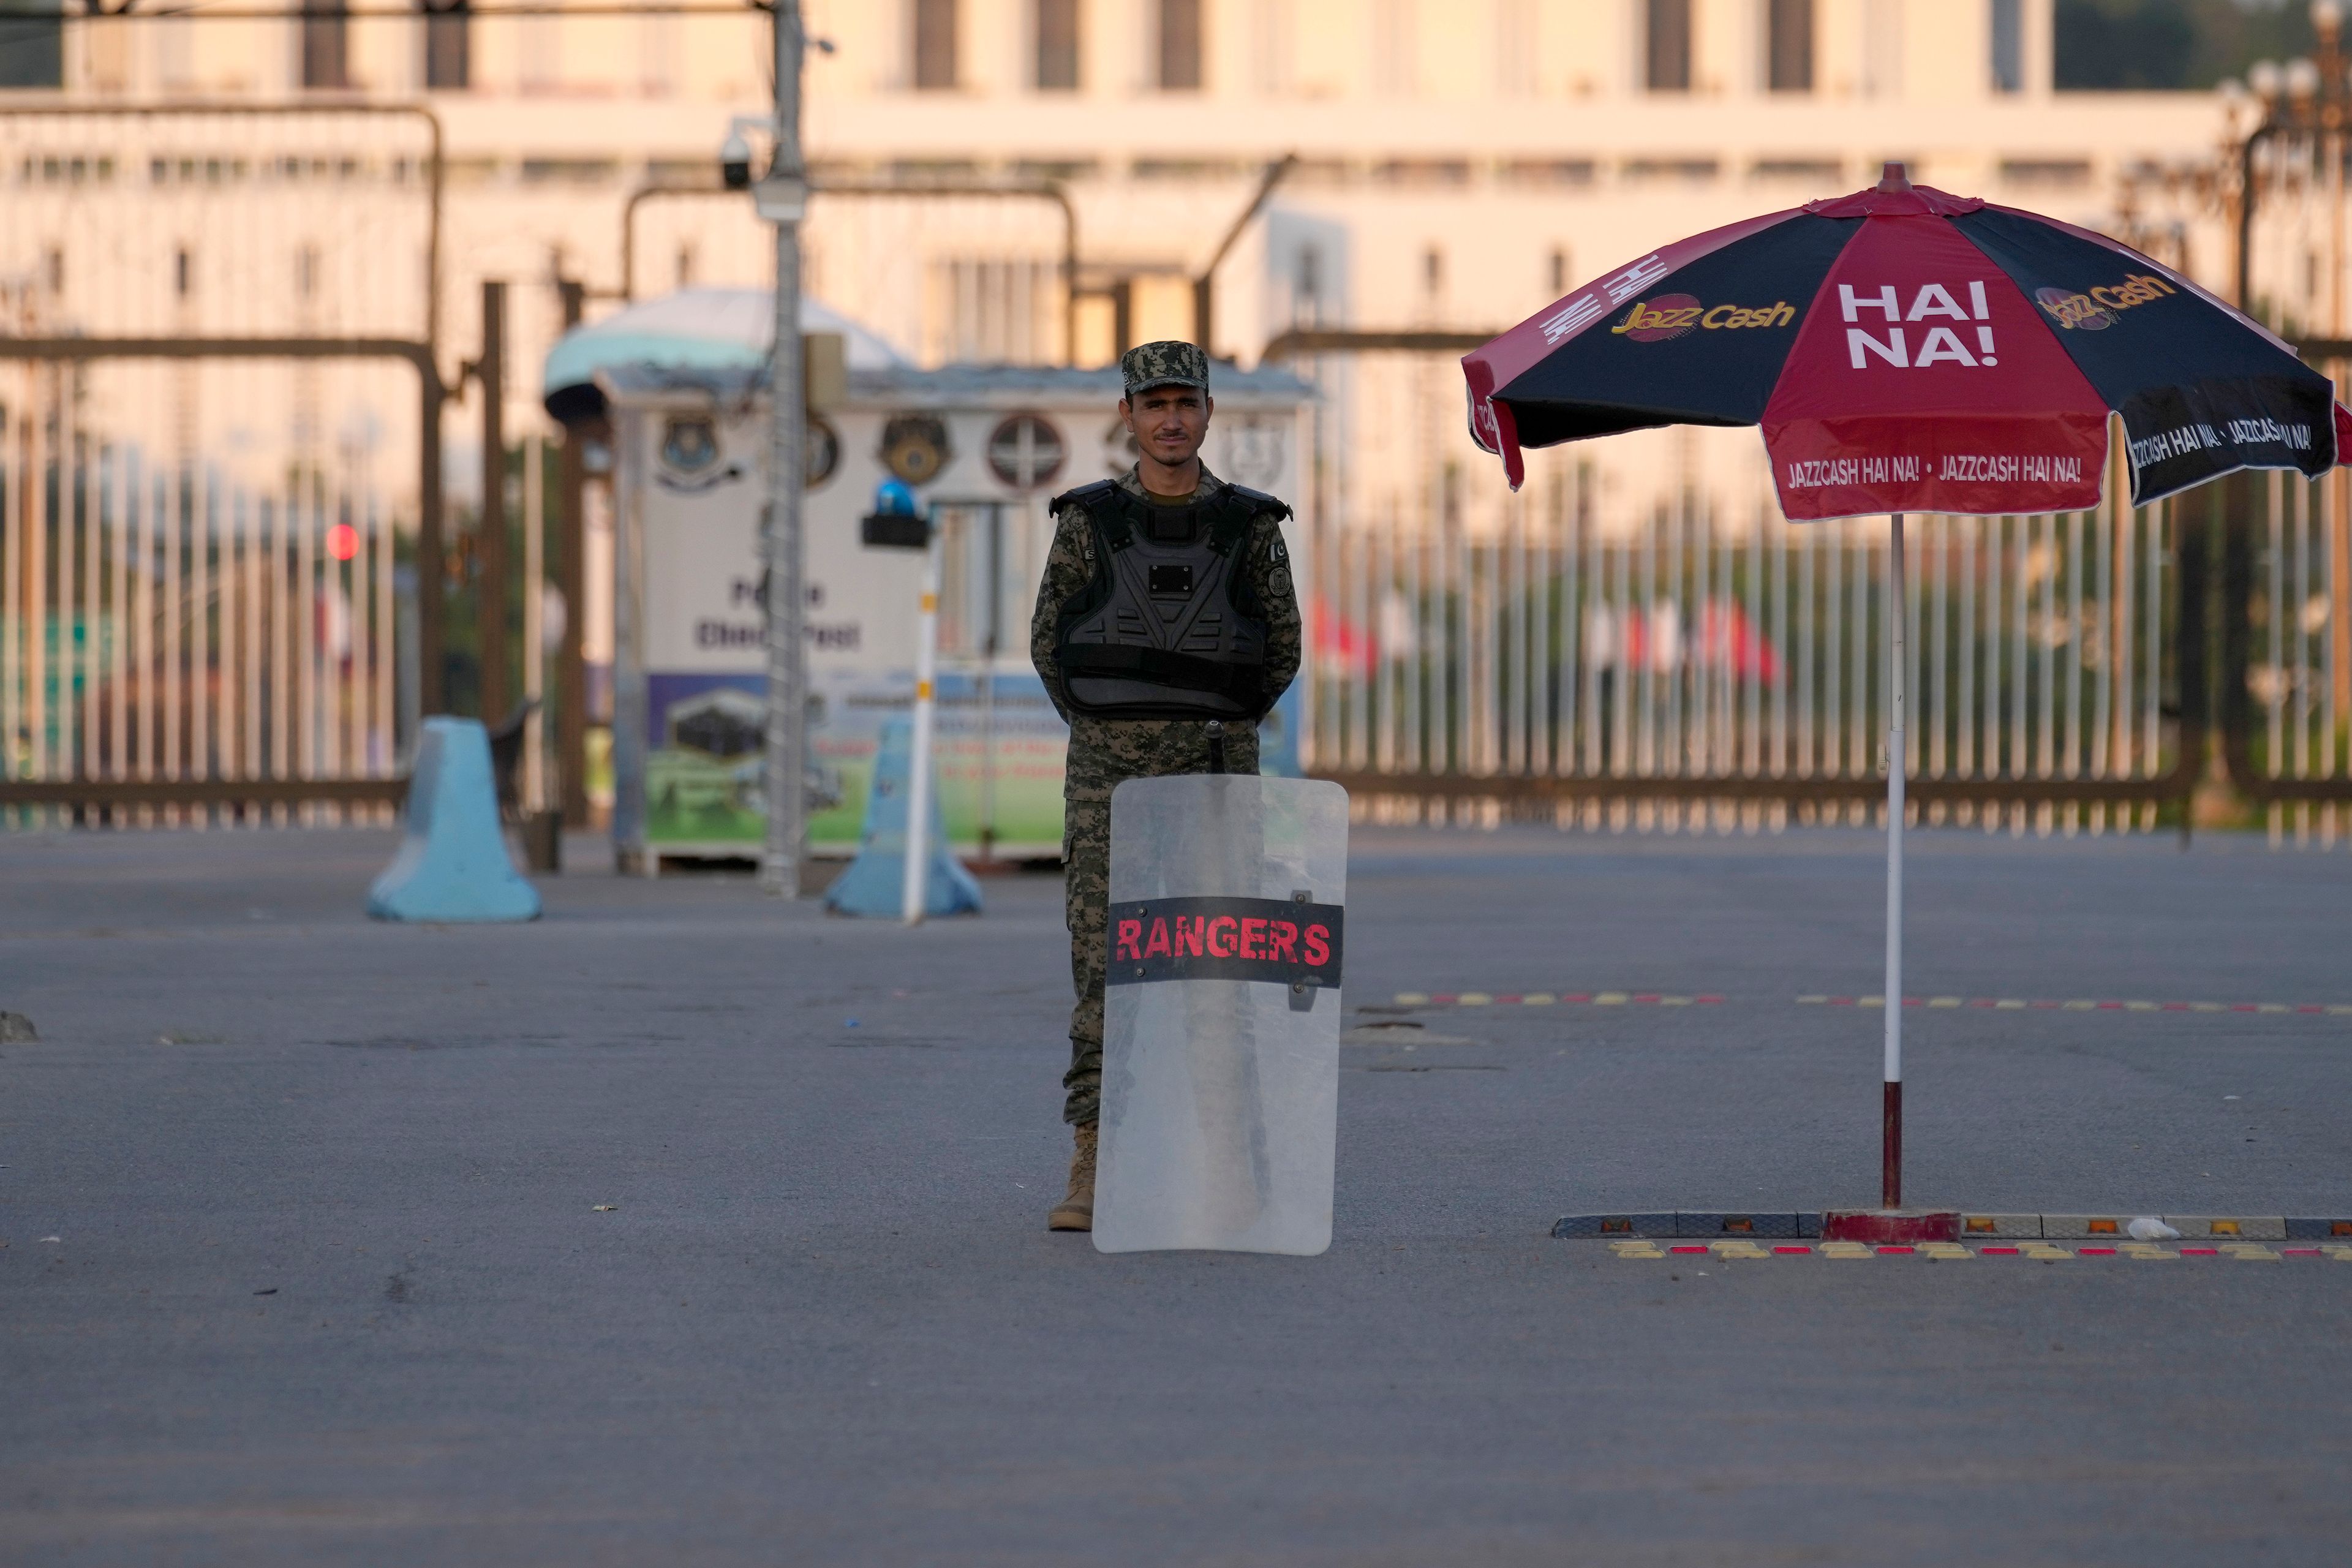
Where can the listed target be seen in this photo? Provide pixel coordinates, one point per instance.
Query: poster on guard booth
(1000, 746)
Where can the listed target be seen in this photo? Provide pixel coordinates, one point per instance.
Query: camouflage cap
(1167, 363)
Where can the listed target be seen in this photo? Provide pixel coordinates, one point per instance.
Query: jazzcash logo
(2097, 309)
(1934, 344)
(1672, 315)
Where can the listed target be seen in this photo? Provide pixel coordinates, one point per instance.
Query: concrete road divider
(453, 863)
(875, 883)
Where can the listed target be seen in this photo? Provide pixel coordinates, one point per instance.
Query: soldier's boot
(1076, 1209)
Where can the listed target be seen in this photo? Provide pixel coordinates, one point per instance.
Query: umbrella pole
(1890, 1168)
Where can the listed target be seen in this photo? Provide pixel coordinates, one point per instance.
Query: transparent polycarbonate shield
(1221, 1039)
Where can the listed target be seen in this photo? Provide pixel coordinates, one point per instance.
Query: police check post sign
(1277, 941)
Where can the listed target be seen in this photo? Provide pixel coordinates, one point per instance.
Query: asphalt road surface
(309, 1257)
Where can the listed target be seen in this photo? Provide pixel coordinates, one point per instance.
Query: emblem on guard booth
(691, 456)
(689, 445)
(1025, 451)
(1256, 451)
(915, 448)
(824, 452)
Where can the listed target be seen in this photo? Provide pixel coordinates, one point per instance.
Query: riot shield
(1221, 1027)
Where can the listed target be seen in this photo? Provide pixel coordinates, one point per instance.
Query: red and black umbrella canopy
(1909, 351)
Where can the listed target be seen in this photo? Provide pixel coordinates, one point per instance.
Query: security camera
(735, 161)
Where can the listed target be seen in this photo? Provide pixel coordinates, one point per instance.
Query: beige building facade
(1458, 163)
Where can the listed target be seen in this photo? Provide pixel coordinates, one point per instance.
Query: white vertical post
(992, 633)
(1890, 1149)
(919, 761)
(534, 631)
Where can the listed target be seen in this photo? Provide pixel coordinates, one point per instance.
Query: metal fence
(1690, 668)
(165, 625)
(2297, 648)
(210, 477)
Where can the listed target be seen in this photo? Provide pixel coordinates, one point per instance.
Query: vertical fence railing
(1696, 664)
(2298, 672)
(197, 580)
(163, 623)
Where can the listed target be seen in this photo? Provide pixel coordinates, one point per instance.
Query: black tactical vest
(1167, 628)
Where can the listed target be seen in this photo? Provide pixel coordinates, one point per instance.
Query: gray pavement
(823, 1323)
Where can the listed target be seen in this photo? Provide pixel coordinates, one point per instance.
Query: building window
(661, 71)
(1395, 62)
(1518, 48)
(448, 52)
(1667, 48)
(992, 310)
(326, 34)
(1057, 46)
(1180, 45)
(1558, 272)
(32, 43)
(539, 53)
(1273, 54)
(1306, 287)
(935, 45)
(1882, 51)
(2008, 46)
(1789, 46)
(2055, 173)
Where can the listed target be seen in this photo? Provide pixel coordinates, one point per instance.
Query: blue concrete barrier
(453, 863)
(875, 883)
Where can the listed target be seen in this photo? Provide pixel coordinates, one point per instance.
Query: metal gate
(1691, 668)
(219, 443)
(2286, 652)
(177, 638)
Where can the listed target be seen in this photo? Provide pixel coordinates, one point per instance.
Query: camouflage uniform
(1103, 751)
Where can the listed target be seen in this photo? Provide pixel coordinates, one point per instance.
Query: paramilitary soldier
(1166, 627)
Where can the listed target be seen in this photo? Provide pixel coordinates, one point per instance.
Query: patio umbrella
(1906, 349)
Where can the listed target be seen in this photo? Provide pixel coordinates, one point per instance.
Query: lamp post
(2303, 102)
(2307, 103)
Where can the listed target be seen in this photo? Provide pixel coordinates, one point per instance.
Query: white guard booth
(1220, 1028)
(985, 448)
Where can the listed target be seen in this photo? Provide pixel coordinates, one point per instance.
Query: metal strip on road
(1714, 999)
